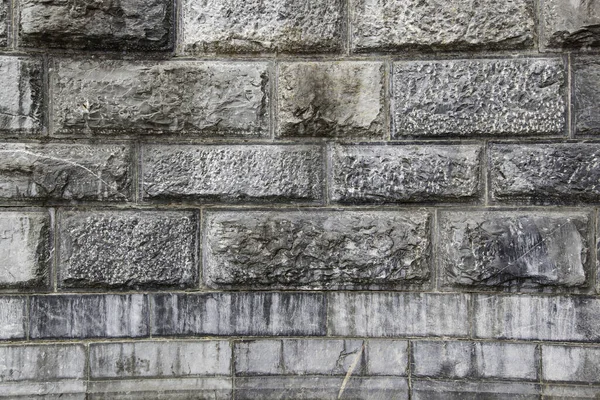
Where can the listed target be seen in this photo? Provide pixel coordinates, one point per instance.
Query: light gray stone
(206, 388)
(570, 24)
(479, 97)
(586, 97)
(41, 363)
(13, 314)
(331, 99)
(316, 249)
(64, 389)
(456, 390)
(415, 173)
(562, 392)
(3, 22)
(571, 364)
(233, 173)
(101, 97)
(257, 26)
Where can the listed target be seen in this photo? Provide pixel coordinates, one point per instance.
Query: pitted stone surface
(387, 174)
(571, 364)
(485, 97)
(331, 99)
(233, 173)
(393, 25)
(3, 22)
(570, 24)
(586, 95)
(128, 249)
(97, 25)
(257, 26)
(514, 249)
(42, 363)
(316, 250)
(13, 312)
(177, 97)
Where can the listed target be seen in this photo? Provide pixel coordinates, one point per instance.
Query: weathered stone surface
(161, 97)
(394, 25)
(216, 388)
(485, 97)
(515, 249)
(571, 364)
(586, 95)
(97, 25)
(88, 316)
(42, 363)
(66, 172)
(64, 389)
(13, 312)
(397, 314)
(563, 392)
(128, 249)
(256, 26)
(474, 360)
(331, 99)
(233, 173)
(21, 95)
(456, 390)
(316, 249)
(252, 314)
(570, 24)
(416, 173)
(3, 22)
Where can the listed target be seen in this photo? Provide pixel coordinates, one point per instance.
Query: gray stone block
(395, 25)
(128, 249)
(259, 26)
(397, 314)
(331, 99)
(42, 363)
(64, 389)
(485, 97)
(316, 249)
(515, 250)
(233, 173)
(161, 97)
(456, 390)
(415, 173)
(207, 388)
(88, 316)
(586, 97)
(569, 24)
(238, 314)
(13, 314)
(3, 22)
(562, 392)
(89, 24)
(571, 364)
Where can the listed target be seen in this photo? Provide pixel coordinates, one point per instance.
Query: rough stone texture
(586, 95)
(570, 24)
(61, 171)
(21, 95)
(515, 250)
(456, 390)
(316, 249)
(128, 249)
(485, 97)
(238, 314)
(88, 316)
(3, 22)
(13, 312)
(571, 364)
(394, 25)
(257, 26)
(42, 363)
(416, 173)
(556, 392)
(397, 314)
(97, 25)
(177, 97)
(233, 173)
(162, 389)
(331, 99)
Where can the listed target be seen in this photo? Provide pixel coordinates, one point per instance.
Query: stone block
(205, 388)
(13, 315)
(571, 364)
(64, 389)
(456, 390)
(586, 97)
(570, 392)
(42, 363)
(569, 24)
(3, 22)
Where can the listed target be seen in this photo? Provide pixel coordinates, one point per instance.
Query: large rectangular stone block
(160, 97)
(233, 173)
(415, 173)
(586, 95)
(569, 24)
(42, 363)
(13, 317)
(479, 97)
(457, 390)
(570, 392)
(204, 388)
(64, 389)
(571, 364)
(316, 249)
(128, 249)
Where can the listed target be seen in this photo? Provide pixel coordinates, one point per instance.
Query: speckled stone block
(586, 95)
(569, 24)
(42, 363)
(457, 390)
(163, 97)
(316, 249)
(13, 312)
(571, 364)
(479, 97)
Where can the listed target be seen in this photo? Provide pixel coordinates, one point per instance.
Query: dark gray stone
(97, 25)
(316, 249)
(331, 99)
(233, 173)
(42, 363)
(586, 95)
(128, 249)
(3, 22)
(238, 314)
(13, 313)
(570, 24)
(163, 97)
(206, 388)
(563, 392)
(416, 173)
(571, 364)
(485, 97)
(258, 26)
(456, 390)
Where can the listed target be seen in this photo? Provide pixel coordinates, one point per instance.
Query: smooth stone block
(562, 392)
(571, 364)
(457, 390)
(205, 388)
(64, 389)
(42, 363)
(13, 314)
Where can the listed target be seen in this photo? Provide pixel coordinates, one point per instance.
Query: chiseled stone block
(13, 314)
(586, 95)
(571, 364)
(42, 363)
(569, 24)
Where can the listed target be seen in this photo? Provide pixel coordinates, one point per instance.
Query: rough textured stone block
(21, 95)
(566, 23)
(397, 314)
(571, 364)
(161, 97)
(394, 25)
(88, 316)
(456, 390)
(3, 22)
(64, 389)
(316, 249)
(42, 363)
(385, 174)
(66, 172)
(331, 99)
(128, 249)
(562, 392)
(483, 97)
(586, 95)
(216, 388)
(256, 26)
(252, 314)
(233, 173)
(91, 24)
(13, 313)
(515, 250)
